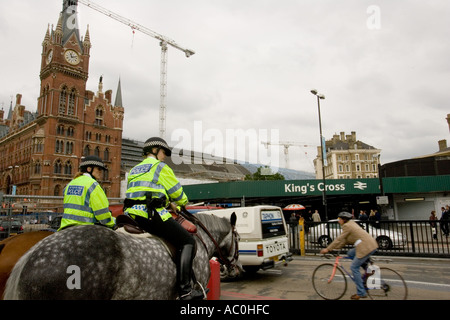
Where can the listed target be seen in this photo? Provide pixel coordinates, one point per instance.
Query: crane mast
(164, 43)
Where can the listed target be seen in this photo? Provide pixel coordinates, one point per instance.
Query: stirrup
(192, 295)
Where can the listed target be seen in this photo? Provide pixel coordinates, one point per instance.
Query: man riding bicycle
(364, 247)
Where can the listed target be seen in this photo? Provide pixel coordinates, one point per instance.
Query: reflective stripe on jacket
(85, 203)
(152, 175)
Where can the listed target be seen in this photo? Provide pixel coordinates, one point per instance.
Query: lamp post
(322, 144)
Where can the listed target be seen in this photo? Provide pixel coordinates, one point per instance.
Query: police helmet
(156, 142)
(91, 161)
(345, 215)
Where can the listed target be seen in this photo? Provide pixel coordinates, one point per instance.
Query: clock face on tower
(72, 57)
(49, 56)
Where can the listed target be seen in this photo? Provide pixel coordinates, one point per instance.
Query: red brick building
(40, 152)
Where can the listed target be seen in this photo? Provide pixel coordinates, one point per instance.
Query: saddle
(130, 226)
(127, 225)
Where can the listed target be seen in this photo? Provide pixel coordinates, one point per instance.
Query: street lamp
(322, 144)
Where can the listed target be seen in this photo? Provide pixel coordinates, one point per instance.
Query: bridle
(224, 260)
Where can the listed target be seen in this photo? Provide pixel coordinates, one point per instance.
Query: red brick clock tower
(71, 121)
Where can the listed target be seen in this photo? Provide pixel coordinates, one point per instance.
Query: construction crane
(164, 43)
(287, 145)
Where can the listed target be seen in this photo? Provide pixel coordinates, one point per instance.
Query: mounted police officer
(152, 185)
(85, 202)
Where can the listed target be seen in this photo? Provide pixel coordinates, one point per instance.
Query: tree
(261, 174)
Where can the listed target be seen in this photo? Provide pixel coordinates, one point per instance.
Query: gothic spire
(70, 21)
(118, 102)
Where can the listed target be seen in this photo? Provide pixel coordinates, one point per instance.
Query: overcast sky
(383, 65)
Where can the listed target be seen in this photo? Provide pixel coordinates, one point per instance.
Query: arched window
(87, 151)
(106, 174)
(59, 147)
(69, 147)
(72, 97)
(68, 168)
(57, 191)
(60, 130)
(99, 116)
(37, 168)
(58, 167)
(63, 101)
(106, 155)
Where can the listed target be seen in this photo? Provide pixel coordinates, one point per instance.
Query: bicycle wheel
(329, 290)
(391, 286)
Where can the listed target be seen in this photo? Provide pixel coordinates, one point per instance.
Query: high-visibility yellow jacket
(152, 175)
(85, 203)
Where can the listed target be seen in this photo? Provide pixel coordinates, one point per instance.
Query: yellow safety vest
(152, 175)
(85, 203)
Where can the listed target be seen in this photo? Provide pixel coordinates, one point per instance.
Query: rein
(222, 259)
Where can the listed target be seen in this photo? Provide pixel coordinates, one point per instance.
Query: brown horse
(12, 249)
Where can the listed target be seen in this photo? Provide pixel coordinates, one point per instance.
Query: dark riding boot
(184, 275)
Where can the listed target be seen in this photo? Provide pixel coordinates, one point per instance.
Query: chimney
(448, 121)
(108, 96)
(18, 99)
(442, 145)
(342, 136)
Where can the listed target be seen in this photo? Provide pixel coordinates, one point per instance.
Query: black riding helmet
(158, 143)
(91, 161)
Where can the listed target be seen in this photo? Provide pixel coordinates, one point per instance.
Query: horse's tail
(12, 285)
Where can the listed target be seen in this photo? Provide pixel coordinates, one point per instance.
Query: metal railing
(418, 238)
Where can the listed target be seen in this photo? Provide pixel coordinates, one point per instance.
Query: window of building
(37, 168)
(57, 191)
(63, 101)
(69, 147)
(60, 130)
(68, 168)
(106, 155)
(70, 132)
(72, 97)
(99, 116)
(106, 175)
(58, 167)
(87, 151)
(59, 146)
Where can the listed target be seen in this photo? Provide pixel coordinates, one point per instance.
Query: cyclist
(364, 247)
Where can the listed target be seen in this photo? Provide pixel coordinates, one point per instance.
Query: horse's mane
(212, 222)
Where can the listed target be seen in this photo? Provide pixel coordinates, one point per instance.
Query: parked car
(386, 239)
(10, 228)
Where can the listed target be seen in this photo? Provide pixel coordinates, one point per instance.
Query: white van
(264, 241)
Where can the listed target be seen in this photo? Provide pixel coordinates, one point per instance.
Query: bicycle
(381, 283)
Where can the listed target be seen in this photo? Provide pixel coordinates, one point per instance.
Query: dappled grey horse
(96, 263)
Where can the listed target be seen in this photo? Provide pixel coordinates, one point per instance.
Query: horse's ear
(233, 219)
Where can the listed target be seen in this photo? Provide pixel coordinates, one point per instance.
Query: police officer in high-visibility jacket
(85, 202)
(152, 179)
